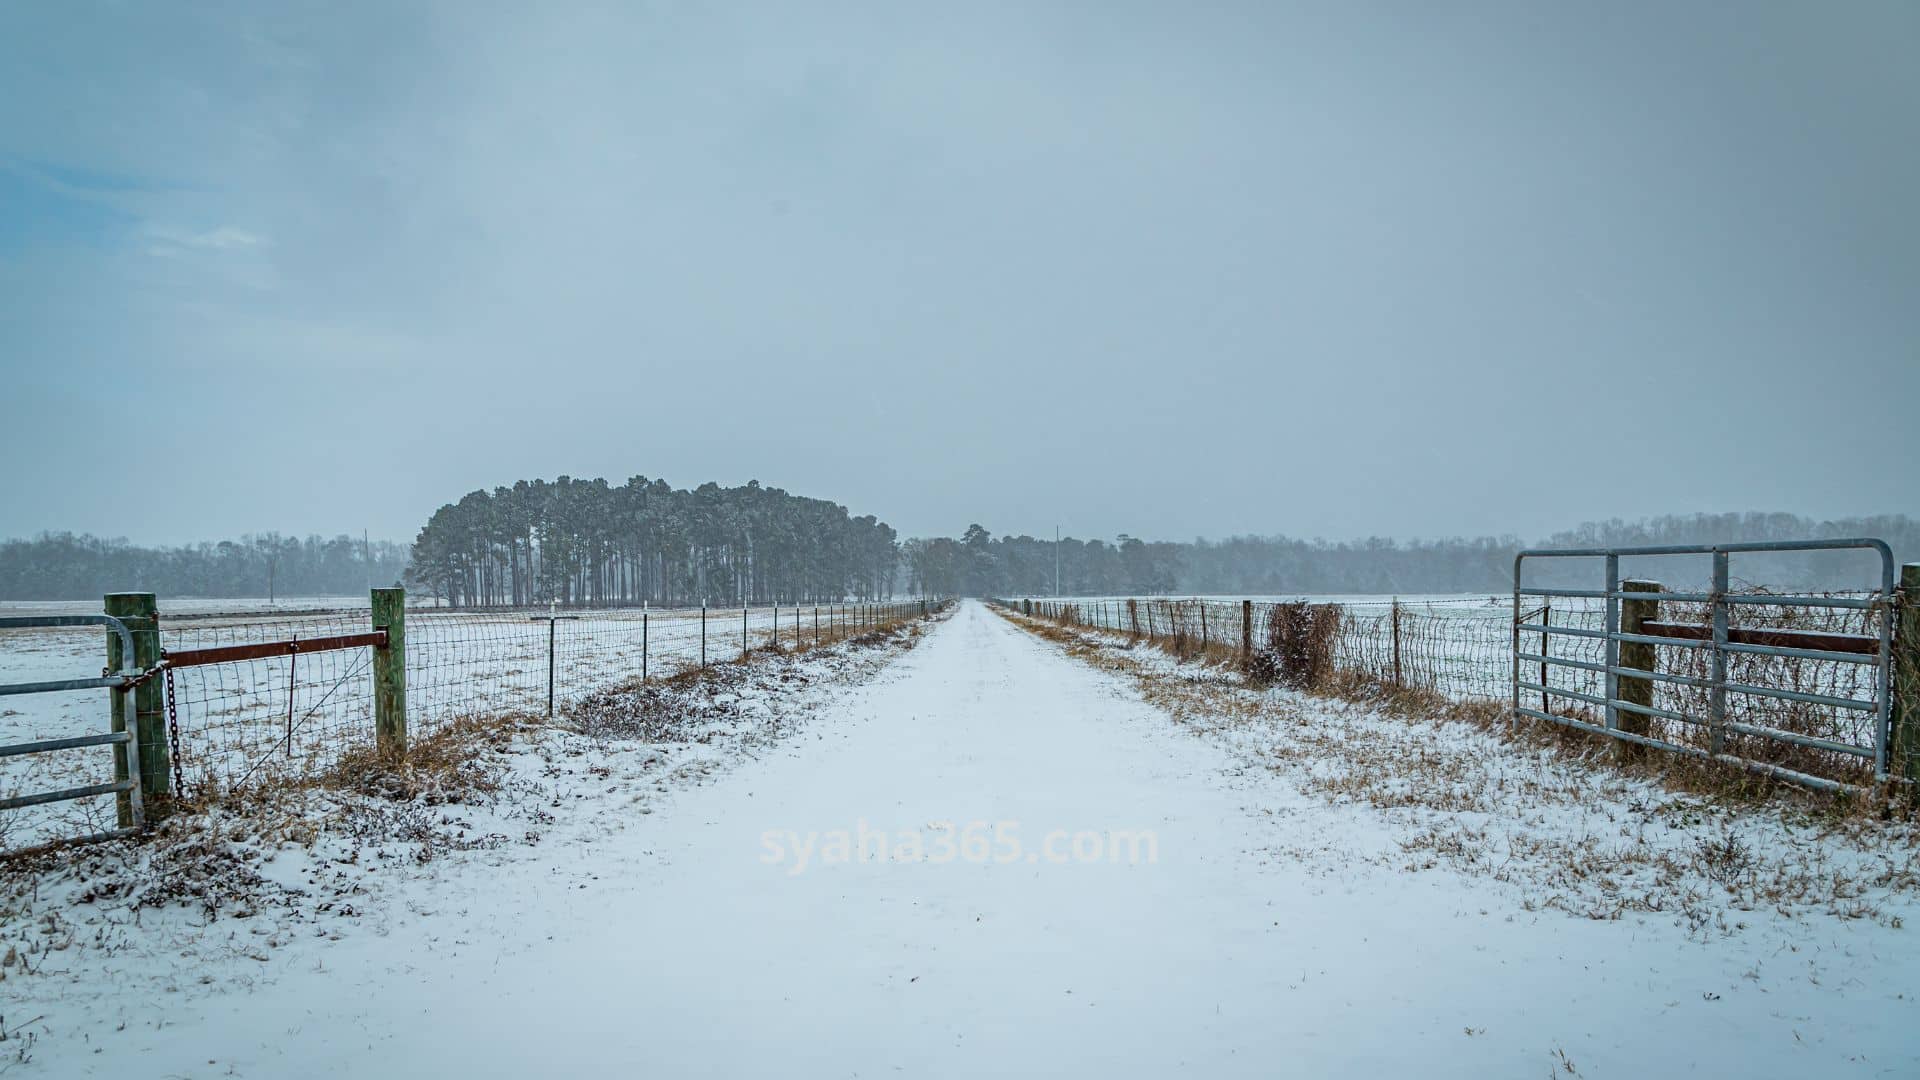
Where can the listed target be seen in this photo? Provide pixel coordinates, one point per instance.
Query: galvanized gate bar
(32, 622)
(1720, 639)
(1820, 640)
(112, 788)
(54, 686)
(1749, 599)
(77, 741)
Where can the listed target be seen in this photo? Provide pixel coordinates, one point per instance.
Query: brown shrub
(1300, 639)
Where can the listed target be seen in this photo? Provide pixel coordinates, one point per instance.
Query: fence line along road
(222, 703)
(1807, 715)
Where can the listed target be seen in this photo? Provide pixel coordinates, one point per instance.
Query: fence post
(1905, 684)
(703, 635)
(1246, 631)
(1396, 643)
(141, 613)
(390, 673)
(552, 633)
(744, 649)
(1639, 656)
(643, 646)
(1546, 643)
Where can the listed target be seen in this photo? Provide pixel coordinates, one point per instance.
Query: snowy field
(1303, 911)
(245, 722)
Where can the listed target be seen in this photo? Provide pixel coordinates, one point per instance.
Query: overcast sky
(1169, 269)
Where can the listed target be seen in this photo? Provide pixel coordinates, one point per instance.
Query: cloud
(169, 241)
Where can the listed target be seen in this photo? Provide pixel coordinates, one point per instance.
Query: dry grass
(457, 762)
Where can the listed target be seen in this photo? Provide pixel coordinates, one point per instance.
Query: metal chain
(173, 740)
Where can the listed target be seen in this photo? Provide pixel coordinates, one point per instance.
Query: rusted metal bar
(227, 654)
(1820, 640)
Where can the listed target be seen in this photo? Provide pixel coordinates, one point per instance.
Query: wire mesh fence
(302, 714)
(229, 723)
(1459, 651)
(301, 697)
(1805, 713)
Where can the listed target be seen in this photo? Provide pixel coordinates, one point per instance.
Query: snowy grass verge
(1553, 819)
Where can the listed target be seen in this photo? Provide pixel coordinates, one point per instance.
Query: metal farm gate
(124, 738)
(1795, 685)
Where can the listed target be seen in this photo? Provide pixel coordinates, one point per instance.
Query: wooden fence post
(1397, 680)
(1639, 656)
(141, 613)
(1246, 631)
(390, 672)
(1905, 758)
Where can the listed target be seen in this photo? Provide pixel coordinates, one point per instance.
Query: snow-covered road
(674, 947)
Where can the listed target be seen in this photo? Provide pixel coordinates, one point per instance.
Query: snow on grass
(1548, 818)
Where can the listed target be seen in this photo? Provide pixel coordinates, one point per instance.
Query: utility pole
(1056, 560)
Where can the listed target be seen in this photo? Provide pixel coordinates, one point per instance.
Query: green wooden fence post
(390, 672)
(1905, 758)
(141, 613)
(1639, 656)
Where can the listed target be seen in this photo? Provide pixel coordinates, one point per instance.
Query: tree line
(65, 566)
(589, 542)
(977, 564)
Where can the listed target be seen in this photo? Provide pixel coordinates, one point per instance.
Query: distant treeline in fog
(980, 564)
(589, 542)
(63, 566)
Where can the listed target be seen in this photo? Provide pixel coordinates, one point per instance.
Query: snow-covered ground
(1291, 918)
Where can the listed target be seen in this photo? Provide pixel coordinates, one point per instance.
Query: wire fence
(281, 711)
(239, 722)
(1458, 652)
(1466, 652)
